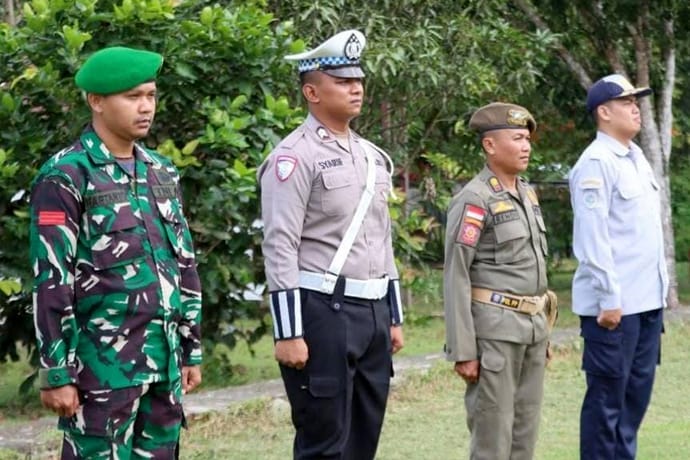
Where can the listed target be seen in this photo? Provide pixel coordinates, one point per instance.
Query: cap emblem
(517, 117)
(353, 48)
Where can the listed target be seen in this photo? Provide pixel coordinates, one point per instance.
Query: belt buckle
(328, 283)
(532, 310)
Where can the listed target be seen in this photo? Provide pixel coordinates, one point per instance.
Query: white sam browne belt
(372, 289)
(286, 308)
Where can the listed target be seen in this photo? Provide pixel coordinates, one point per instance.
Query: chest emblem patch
(285, 166)
(497, 207)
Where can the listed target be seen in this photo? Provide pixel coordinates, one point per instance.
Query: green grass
(424, 334)
(13, 404)
(426, 416)
(683, 278)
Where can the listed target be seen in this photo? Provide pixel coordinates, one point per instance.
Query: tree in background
(633, 38)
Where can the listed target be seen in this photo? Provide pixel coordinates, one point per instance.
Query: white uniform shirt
(617, 232)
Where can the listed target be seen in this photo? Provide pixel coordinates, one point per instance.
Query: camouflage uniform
(117, 298)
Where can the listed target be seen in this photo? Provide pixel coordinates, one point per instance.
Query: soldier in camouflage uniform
(117, 298)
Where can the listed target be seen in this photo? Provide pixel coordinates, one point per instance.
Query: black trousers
(620, 367)
(338, 400)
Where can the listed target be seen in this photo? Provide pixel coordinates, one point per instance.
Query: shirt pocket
(173, 224)
(629, 188)
(339, 196)
(114, 237)
(511, 245)
(542, 233)
(382, 189)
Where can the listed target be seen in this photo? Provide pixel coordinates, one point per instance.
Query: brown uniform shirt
(494, 240)
(311, 185)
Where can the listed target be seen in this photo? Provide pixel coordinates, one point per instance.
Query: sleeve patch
(590, 198)
(468, 234)
(471, 225)
(474, 215)
(51, 218)
(285, 166)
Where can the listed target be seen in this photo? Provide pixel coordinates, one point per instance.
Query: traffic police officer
(495, 290)
(117, 298)
(334, 289)
(621, 283)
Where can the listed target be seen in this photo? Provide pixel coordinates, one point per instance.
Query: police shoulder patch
(285, 166)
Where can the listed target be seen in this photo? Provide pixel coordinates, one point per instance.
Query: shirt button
(336, 306)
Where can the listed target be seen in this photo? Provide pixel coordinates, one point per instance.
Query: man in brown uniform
(495, 290)
(329, 262)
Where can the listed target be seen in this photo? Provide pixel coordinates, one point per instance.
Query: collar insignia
(495, 184)
(322, 133)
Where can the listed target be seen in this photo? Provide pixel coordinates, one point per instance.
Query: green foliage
(680, 205)
(221, 109)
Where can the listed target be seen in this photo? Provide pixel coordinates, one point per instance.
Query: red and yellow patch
(471, 225)
(468, 234)
(51, 218)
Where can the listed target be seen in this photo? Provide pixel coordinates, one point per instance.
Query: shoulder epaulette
(295, 136)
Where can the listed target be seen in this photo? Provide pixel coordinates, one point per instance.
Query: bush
(218, 116)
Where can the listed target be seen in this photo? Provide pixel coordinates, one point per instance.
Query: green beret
(117, 69)
(499, 115)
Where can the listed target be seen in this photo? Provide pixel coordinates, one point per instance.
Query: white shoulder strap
(352, 231)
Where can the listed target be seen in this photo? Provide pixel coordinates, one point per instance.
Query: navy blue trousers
(338, 400)
(619, 367)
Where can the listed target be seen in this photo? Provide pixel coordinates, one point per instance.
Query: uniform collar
(322, 133)
(100, 154)
(615, 146)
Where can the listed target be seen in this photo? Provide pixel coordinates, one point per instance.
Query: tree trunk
(655, 139)
(651, 145)
(9, 12)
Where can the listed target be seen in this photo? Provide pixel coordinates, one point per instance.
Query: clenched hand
(64, 400)
(468, 370)
(292, 353)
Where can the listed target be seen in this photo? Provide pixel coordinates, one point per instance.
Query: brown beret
(499, 115)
